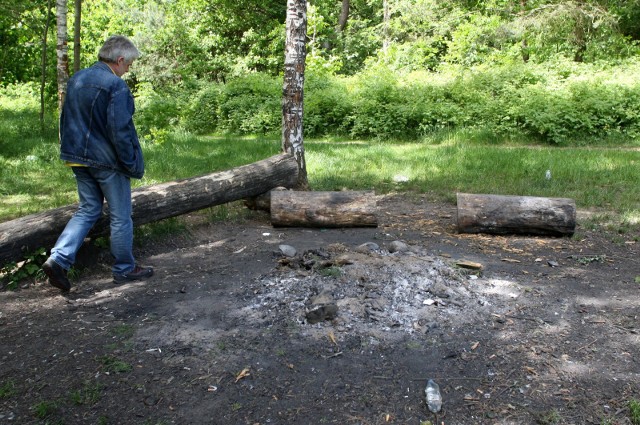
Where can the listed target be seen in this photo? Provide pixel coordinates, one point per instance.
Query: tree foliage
(218, 64)
(216, 40)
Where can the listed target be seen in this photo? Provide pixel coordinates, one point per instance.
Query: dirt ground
(346, 331)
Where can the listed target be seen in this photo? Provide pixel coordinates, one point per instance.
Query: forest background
(497, 74)
(556, 71)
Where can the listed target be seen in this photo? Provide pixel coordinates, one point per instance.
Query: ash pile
(369, 289)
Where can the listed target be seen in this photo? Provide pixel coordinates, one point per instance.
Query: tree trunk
(293, 87)
(43, 64)
(344, 16)
(386, 18)
(61, 50)
(323, 209)
(525, 44)
(76, 34)
(498, 214)
(152, 203)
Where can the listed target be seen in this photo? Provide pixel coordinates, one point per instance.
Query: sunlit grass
(599, 178)
(605, 178)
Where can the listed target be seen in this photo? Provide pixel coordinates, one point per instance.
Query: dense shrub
(157, 111)
(251, 104)
(382, 108)
(202, 114)
(327, 104)
(565, 102)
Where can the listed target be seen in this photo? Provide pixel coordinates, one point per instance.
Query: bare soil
(231, 331)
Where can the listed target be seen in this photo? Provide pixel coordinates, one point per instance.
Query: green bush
(326, 106)
(157, 111)
(557, 103)
(381, 108)
(251, 104)
(202, 114)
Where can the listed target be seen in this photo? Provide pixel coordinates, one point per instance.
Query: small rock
(552, 263)
(323, 298)
(397, 246)
(367, 247)
(287, 250)
(319, 313)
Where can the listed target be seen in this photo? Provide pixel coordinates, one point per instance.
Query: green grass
(115, 365)
(8, 389)
(634, 411)
(603, 178)
(89, 394)
(44, 409)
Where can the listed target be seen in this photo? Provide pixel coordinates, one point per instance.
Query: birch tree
(77, 15)
(293, 87)
(43, 61)
(61, 51)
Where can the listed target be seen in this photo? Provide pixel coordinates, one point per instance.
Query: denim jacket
(96, 123)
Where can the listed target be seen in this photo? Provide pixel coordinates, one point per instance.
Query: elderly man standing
(98, 140)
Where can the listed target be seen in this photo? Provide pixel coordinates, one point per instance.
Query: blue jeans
(94, 186)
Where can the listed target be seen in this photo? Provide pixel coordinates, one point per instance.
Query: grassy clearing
(602, 178)
(597, 177)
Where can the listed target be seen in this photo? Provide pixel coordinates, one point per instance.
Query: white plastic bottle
(434, 398)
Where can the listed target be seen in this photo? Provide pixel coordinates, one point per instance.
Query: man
(98, 140)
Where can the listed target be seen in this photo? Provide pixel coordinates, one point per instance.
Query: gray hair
(118, 46)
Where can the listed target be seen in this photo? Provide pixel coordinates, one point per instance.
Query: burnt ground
(545, 333)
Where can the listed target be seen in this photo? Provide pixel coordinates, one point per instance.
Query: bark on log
(153, 203)
(530, 215)
(323, 209)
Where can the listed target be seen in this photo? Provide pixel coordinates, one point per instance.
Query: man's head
(119, 53)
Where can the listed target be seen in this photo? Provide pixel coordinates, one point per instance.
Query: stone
(367, 247)
(287, 250)
(319, 313)
(397, 246)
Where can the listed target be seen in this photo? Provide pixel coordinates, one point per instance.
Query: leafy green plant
(44, 409)
(202, 114)
(634, 411)
(89, 394)
(251, 104)
(8, 389)
(332, 271)
(123, 330)
(13, 273)
(115, 365)
(550, 418)
(588, 259)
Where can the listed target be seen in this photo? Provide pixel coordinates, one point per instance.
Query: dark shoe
(138, 273)
(57, 275)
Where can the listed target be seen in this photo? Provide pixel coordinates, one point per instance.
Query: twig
(633, 331)
(589, 344)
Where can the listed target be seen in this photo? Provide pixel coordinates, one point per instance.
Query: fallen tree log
(497, 214)
(323, 209)
(153, 203)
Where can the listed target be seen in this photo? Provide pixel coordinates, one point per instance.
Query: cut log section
(153, 203)
(323, 209)
(497, 214)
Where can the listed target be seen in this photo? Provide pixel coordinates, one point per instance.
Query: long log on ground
(153, 203)
(323, 209)
(497, 214)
